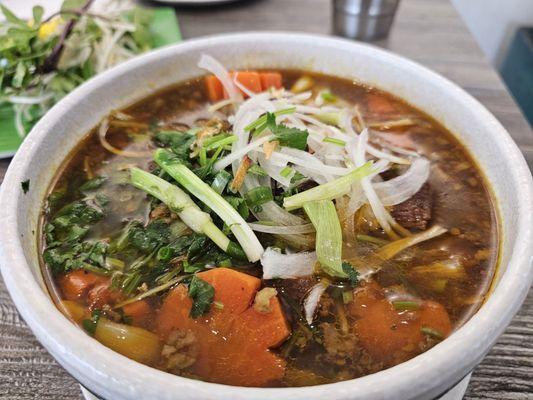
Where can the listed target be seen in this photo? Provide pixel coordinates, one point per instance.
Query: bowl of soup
(267, 215)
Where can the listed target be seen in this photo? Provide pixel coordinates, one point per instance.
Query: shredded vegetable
(324, 218)
(243, 233)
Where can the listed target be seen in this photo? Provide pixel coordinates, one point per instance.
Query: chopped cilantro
(202, 294)
(90, 324)
(353, 275)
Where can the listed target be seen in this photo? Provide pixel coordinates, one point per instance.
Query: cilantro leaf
(353, 275)
(179, 142)
(148, 238)
(202, 294)
(291, 137)
(92, 184)
(288, 137)
(90, 324)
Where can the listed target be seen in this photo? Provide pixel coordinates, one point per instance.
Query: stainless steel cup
(363, 19)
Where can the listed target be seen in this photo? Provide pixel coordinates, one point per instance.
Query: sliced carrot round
(391, 336)
(233, 339)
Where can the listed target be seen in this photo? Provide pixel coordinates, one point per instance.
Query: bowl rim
(103, 367)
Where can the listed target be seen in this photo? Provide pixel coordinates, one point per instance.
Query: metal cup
(363, 19)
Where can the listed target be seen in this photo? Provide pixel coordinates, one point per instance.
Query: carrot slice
(75, 285)
(249, 79)
(270, 79)
(101, 294)
(269, 329)
(389, 335)
(231, 332)
(139, 312)
(233, 289)
(215, 91)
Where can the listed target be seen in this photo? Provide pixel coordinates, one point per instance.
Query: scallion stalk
(405, 305)
(223, 141)
(220, 181)
(337, 142)
(259, 195)
(324, 218)
(180, 202)
(285, 172)
(203, 192)
(263, 118)
(426, 330)
(329, 191)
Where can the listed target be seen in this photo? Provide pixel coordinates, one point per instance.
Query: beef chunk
(416, 211)
(295, 288)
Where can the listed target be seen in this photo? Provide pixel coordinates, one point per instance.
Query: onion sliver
(102, 132)
(216, 68)
(287, 266)
(403, 187)
(282, 229)
(312, 300)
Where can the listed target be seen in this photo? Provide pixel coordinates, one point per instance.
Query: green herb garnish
(351, 272)
(202, 294)
(90, 324)
(405, 305)
(431, 332)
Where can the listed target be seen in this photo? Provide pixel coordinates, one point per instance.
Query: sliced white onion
(377, 207)
(274, 171)
(311, 162)
(381, 154)
(217, 106)
(216, 68)
(312, 300)
(316, 110)
(282, 229)
(398, 150)
(403, 187)
(238, 154)
(287, 266)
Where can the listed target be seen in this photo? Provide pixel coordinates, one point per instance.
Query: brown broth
(331, 349)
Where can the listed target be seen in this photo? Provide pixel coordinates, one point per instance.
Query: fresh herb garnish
(431, 333)
(328, 96)
(334, 141)
(258, 196)
(92, 184)
(288, 137)
(90, 324)
(202, 294)
(220, 181)
(148, 238)
(405, 305)
(286, 172)
(351, 272)
(257, 170)
(179, 142)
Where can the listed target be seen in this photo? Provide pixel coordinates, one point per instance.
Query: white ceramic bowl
(113, 376)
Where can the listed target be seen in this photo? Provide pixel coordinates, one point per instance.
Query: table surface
(428, 31)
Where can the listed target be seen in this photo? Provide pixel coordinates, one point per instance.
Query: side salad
(44, 58)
